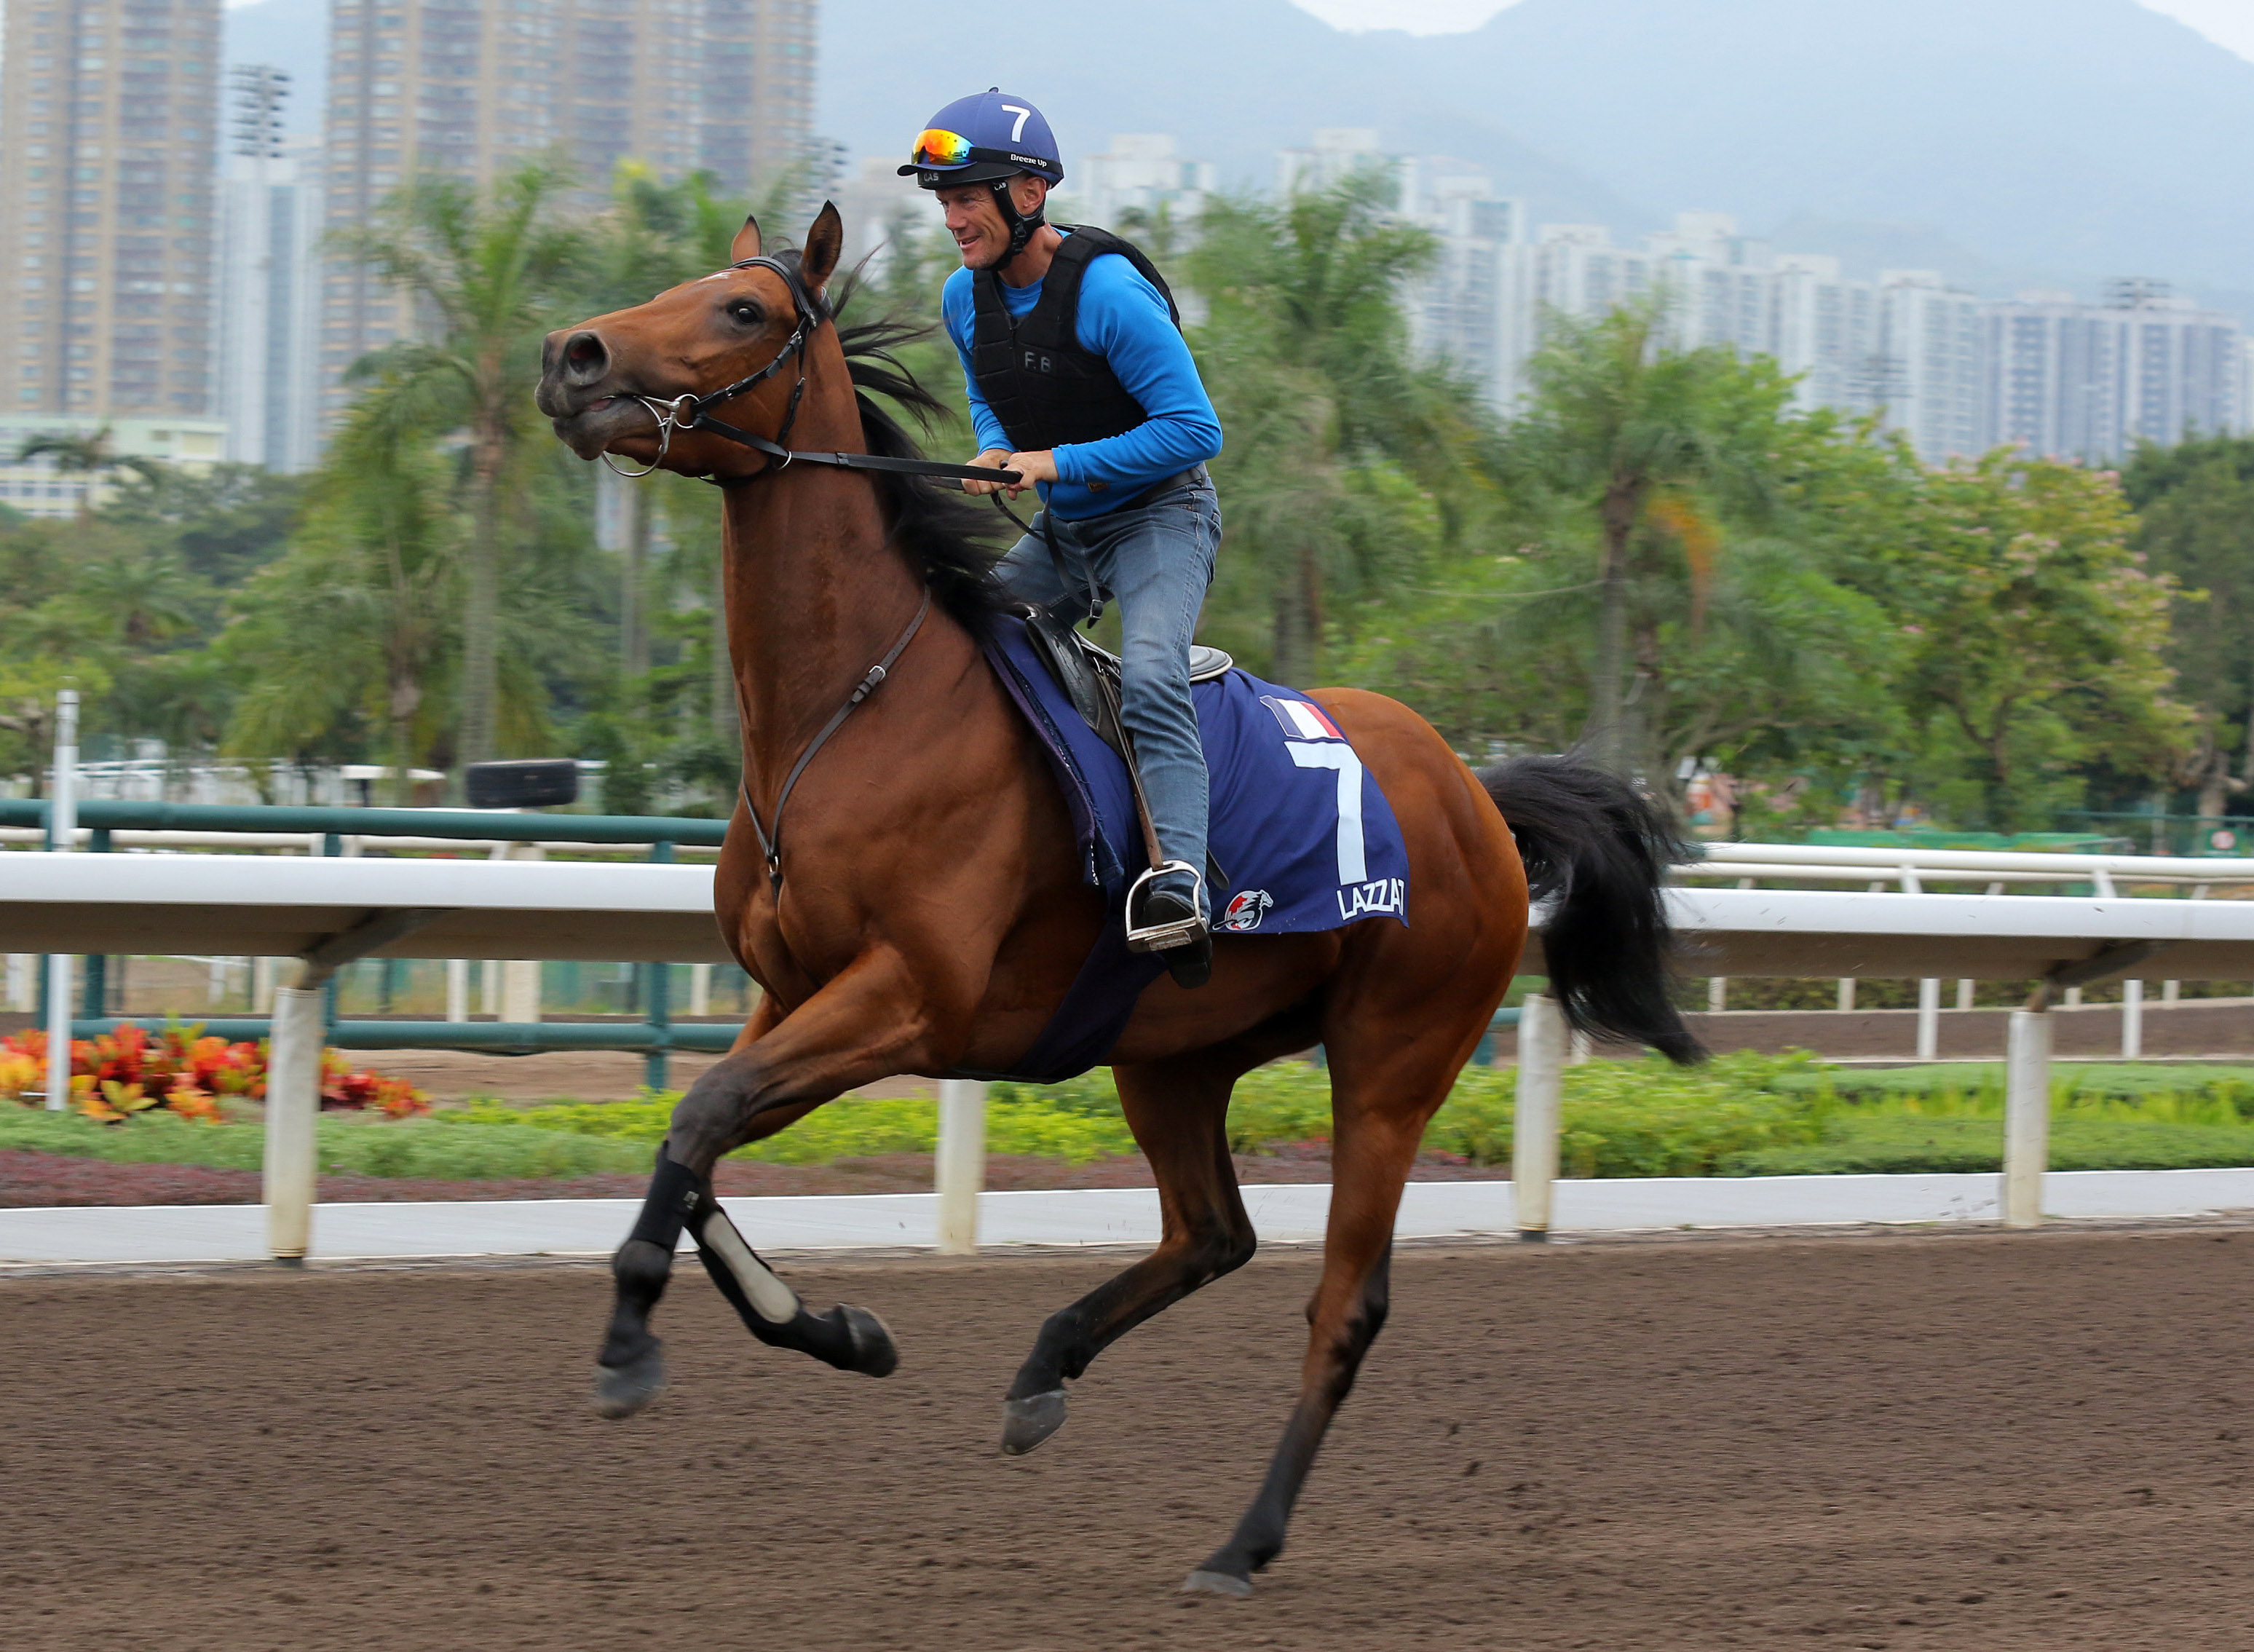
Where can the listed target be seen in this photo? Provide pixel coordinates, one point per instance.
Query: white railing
(326, 912)
(1911, 869)
(1908, 869)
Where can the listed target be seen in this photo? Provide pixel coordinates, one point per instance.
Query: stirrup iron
(1164, 937)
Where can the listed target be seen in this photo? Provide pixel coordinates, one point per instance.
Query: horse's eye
(744, 313)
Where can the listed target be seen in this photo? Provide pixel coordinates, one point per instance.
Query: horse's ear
(746, 243)
(825, 245)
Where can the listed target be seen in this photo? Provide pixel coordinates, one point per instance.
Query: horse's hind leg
(1379, 1109)
(1179, 1110)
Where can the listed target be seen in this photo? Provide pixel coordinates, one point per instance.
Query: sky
(2229, 23)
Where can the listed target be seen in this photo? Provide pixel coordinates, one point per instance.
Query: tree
(348, 635)
(90, 455)
(2035, 642)
(1629, 428)
(1305, 350)
(2196, 508)
(485, 273)
(1751, 656)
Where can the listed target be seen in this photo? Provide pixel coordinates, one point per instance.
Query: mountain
(2053, 140)
(2079, 137)
(1234, 80)
(2058, 141)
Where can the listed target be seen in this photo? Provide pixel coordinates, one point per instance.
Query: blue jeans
(1155, 561)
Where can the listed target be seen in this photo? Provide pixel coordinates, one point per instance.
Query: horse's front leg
(867, 1025)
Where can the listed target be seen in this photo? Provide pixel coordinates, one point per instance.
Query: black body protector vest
(1045, 388)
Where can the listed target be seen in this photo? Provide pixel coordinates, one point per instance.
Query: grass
(1739, 1115)
(448, 1149)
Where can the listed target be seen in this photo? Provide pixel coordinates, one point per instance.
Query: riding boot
(1166, 915)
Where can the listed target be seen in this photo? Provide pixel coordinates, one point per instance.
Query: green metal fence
(654, 1037)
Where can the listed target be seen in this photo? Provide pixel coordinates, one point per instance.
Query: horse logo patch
(1245, 911)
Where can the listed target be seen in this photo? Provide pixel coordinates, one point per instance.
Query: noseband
(693, 412)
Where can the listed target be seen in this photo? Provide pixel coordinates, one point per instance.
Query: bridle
(693, 412)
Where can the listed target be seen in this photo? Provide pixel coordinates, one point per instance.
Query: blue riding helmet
(985, 138)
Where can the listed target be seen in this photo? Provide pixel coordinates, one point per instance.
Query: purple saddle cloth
(1300, 831)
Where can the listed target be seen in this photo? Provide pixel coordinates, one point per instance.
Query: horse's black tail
(1592, 843)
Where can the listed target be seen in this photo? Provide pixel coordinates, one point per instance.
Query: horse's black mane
(950, 538)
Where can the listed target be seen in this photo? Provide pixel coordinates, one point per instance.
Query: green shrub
(1903, 1144)
(1737, 1115)
(444, 1148)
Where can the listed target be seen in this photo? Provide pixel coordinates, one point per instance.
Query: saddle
(1090, 679)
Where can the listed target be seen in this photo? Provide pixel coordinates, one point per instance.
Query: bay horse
(919, 907)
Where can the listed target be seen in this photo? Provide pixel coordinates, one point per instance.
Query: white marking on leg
(771, 1298)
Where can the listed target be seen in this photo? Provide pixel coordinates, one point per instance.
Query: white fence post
(2132, 1021)
(960, 1164)
(1542, 1047)
(2027, 1117)
(293, 1106)
(1717, 994)
(520, 990)
(458, 989)
(700, 989)
(62, 837)
(1846, 992)
(1929, 1020)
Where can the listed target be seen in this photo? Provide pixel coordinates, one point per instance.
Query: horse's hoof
(1220, 1583)
(621, 1390)
(1027, 1422)
(875, 1353)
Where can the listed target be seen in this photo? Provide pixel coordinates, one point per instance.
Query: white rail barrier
(327, 911)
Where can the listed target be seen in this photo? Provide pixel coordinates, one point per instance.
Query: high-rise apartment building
(1827, 335)
(1929, 345)
(1139, 174)
(268, 279)
(2090, 381)
(1334, 152)
(1953, 373)
(1463, 311)
(107, 108)
(473, 88)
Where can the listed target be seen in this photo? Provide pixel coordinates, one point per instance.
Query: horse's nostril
(585, 358)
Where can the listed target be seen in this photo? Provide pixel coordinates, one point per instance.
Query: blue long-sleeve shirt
(1123, 318)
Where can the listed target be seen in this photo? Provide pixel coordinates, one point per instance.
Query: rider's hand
(993, 459)
(1031, 468)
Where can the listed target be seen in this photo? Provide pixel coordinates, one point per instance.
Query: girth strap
(771, 841)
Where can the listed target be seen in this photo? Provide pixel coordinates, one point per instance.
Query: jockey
(1079, 381)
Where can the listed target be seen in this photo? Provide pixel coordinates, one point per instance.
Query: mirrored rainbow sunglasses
(935, 147)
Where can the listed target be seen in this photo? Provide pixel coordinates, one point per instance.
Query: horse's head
(608, 382)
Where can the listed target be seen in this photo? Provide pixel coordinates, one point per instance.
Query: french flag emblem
(1302, 720)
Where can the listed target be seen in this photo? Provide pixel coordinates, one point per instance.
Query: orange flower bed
(178, 1069)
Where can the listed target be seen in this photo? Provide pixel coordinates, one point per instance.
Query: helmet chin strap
(1022, 225)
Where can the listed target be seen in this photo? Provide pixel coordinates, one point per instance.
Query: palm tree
(651, 236)
(1624, 424)
(351, 627)
(1307, 353)
(484, 275)
(89, 456)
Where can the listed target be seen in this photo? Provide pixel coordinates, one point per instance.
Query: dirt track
(1963, 1444)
